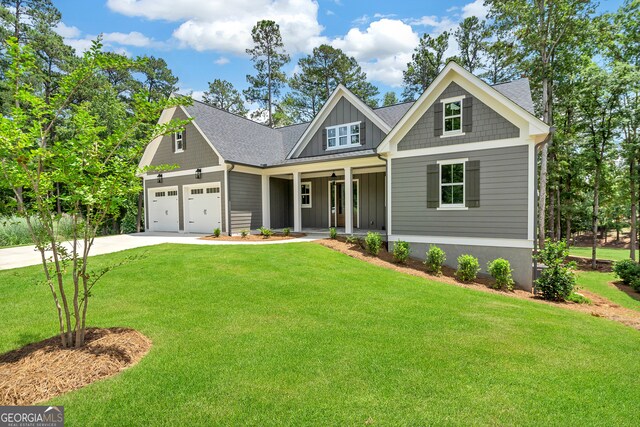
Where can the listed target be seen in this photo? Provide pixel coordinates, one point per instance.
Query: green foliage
(500, 269)
(468, 268)
(401, 251)
(435, 259)
(333, 233)
(578, 298)
(286, 231)
(223, 95)
(373, 242)
(129, 221)
(426, 62)
(627, 270)
(390, 98)
(244, 233)
(265, 232)
(353, 239)
(472, 35)
(14, 230)
(557, 280)
(216, 232)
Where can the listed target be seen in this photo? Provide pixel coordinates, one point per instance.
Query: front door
(337, 204)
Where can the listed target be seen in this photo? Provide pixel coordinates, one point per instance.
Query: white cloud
(133, 38)
(383, 49)
(114, 42)
(476, 8)
(438, 24)
(222, 60)
(364, 19)
(226, 26)
(66, 31)
(330, 13)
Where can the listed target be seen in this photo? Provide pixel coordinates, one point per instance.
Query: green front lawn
(600, 283)
(297, 334)
(614, 254)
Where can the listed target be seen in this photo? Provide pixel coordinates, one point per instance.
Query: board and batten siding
(344, 112)
(197, 154)
(487, 125)
(245, 201)
(281, 202)
(503, 211)
(180, 181)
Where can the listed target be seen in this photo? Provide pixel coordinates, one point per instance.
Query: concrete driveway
(23, 256)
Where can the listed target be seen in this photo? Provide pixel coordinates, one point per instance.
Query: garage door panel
(163, 209)
(203, 208)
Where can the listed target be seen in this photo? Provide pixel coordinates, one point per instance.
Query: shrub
(266, 232)
(578, 298)
(400, 251)
(333, 233)
(216, 232)
(435, 259)
(500, 269)
(557, 280)
(244, 233)
(373, 242)
(286, 231)
(468, 267)
(635, 284)
(627, 270)
(353, 240)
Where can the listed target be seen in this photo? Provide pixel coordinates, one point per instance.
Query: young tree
(95, 162)
(223, 95)
(501, 59)
(472, 36)
(268, 56)
(426, 62)
(158, 80)
(390, 98)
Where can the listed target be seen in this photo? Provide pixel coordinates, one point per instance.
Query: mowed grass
(614, 254)
(297, 334)
(600, 283)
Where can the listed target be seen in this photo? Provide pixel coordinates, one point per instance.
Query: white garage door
(163, 209)
(203, 208)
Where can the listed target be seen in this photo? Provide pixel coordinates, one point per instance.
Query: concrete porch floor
(324, 232)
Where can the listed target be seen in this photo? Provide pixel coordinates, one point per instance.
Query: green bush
(373, 242)
(244, 233)
(216, 232)
(557, 280)
(14, 230)
(400, 251)
(578, 298)
(627, 270)
(266, 232)
(635, 283)
(333, 233)
(435, 259)
(286, 231)
(468, 267)
(500, 269)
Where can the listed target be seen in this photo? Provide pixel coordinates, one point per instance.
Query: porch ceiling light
(159, 178)
(198, 173)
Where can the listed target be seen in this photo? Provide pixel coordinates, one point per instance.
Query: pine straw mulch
(599, 307)
(254, 237)
(40, 371)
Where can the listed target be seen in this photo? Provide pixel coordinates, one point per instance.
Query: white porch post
(348, 201)
(266, 202)
(297, 202)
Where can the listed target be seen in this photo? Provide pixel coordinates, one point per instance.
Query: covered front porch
(313, 198)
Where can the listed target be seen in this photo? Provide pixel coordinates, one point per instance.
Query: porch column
(266, 202)
(348, 201)
(297, 209)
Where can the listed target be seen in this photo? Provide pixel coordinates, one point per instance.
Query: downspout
(552, 130)
(226, 193)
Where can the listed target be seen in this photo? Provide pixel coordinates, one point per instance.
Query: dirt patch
(254, 237)
(602, 265)
(599, 307)
(43, 370)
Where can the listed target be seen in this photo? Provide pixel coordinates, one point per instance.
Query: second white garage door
(163, 209)
(203, 208)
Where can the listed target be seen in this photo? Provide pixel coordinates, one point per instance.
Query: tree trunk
(139, 215)
(552, 211)
(558, 215)
(594, 220)
(544, 153)
(634, 205)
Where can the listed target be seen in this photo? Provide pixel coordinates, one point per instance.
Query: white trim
(452, 161)
(297, 211)
(452, 133)
(185, 172)
(314, 126)
(531, 192)
(460, 148)
(453, 206)
(452, 99)
(340, 172)
(455, 132)
(334, 165)
(186, 192)
(144, 206)
(348, 201)
(338, 136)
(310, 204)
(388, 196)
(175, 142)
(227, 217)
(357, 183)
(266, 201)
(466, 241)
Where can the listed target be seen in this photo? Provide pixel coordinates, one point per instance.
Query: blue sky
(205, 39)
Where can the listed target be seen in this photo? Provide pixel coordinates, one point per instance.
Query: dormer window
(178, 142)
(343, 136)
(452, 116)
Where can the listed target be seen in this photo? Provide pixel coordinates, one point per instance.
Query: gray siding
(372, 209)
(198, 152)
(488, 125)
(503, 197)
(245, 201)
(344, 112)
(281, 202)
(187, 180)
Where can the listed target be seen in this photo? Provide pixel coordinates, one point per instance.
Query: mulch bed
(599, 307)
(602, 265)
(254, 237)
(40, 371)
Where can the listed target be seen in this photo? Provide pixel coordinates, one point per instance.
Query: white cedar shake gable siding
(338, 93)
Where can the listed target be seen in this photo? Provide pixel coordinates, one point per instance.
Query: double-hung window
(452, 184)
(453, 116)
(305, 194)
(178, 140)
(343, 136)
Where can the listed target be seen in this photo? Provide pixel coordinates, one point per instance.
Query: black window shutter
(433, 186)
(363, 133)
(173, 142)
(467, 114)
(437, 119)
(472, 184)
(184, 138)
(324, 138)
